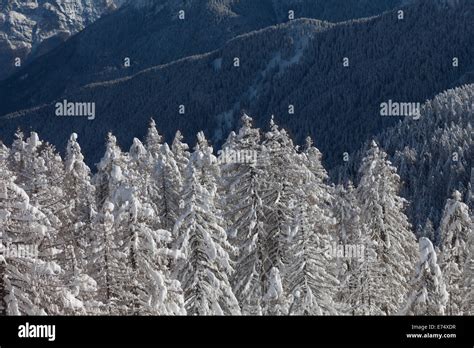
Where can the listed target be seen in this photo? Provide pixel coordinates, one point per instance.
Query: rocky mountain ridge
(30, 28)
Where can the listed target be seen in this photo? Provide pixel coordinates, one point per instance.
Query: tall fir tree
(389, 234)
(20, 225)
(154, 141)
(167, 185)
(279, 198)
(205, 274)
(349, 235)
(149, 289)
(32, 282)
(109, 257)
(181, 153)
(455, 229)
(107, 266)
(244, 212)
(110, 172)
(76, 228)
(311, 272)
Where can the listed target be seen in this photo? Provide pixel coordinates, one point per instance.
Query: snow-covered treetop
(74, 158)
(154, 139)
(112, 152)
(137, 150)
(427, 252)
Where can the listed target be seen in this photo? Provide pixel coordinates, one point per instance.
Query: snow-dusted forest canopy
(254, 229)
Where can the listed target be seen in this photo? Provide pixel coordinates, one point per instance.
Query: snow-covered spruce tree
(455, 229)
(205, 274)
(19, 225)
(108, 259)
(311, 273)
(79, 194)
(137, 177)
(312, 159)
(109, 174)
(279, 199)
(40, 173)
(427, 295)
(167, 185)
(15, 162)
(144, 159)
(160, 176)
(362, 284)
(310, 278)
(349, 234)
(389, 232)
(244, 214)
(30, 280)
(149, 289)
(130, 252)
(209, 171)
(107, 264)
(181, 153)
(154, 141)
(76, 224)
(39, 170)
(359, 280)
(347, 213)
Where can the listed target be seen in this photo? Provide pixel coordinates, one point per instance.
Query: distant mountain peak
(30, 28)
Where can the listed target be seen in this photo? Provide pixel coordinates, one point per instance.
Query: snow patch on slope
(278, 64)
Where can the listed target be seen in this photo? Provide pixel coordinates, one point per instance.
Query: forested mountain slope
(434, 155)
(153, 32)
(298, 64)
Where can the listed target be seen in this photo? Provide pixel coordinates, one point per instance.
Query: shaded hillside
(150, 33)
(299, 64)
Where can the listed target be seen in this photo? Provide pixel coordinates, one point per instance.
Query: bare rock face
(29, 28)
